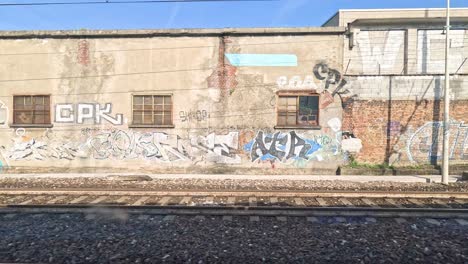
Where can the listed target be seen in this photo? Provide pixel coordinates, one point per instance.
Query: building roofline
(401, 9)
(434, 20)
(391, 10)
(168, 32)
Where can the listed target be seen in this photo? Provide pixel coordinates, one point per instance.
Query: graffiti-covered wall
(397, 78)
(288, 100)
(224, 91)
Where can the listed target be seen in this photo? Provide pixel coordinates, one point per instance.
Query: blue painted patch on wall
(262, 60)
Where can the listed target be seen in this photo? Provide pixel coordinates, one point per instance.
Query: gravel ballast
(119, 238)
(232, 184)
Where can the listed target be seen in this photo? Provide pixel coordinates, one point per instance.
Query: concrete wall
(376, 52)
(224, 102)
(404, 51)
(431, 51)
(395, 76)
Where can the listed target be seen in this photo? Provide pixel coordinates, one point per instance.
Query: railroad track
(238, 203)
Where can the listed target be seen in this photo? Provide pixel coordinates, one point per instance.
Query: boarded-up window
(31, 110)
(298, 110)
(153, 110)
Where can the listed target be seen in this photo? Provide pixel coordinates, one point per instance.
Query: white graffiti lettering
(296, 82)
(66, 113)
(425, 145)
(380, 57)
(120, 145)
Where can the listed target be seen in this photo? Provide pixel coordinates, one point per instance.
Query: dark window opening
(298, 110)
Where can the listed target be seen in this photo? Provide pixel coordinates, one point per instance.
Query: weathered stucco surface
(224, 108)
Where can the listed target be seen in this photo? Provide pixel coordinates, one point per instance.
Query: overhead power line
(124, 2)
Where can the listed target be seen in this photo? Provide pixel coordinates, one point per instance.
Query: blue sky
(282, 13)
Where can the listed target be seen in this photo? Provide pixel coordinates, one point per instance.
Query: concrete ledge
(219, 169)
(168, 32)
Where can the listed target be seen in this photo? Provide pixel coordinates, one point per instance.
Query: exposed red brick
(224, 76)
(384, 126)
(83, 52)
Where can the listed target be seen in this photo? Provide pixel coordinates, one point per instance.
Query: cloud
(288, 7)
(173, 15)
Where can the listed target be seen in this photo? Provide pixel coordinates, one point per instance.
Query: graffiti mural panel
(425, 145)
(122, 145)
(281, 147)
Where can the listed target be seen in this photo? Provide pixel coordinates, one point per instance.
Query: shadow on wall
(392, 149)
(423, 145)
(436, 119)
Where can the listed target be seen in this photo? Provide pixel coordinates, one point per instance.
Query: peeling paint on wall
(223, 79)
(335, 124)
(351, 145)
(83, 52)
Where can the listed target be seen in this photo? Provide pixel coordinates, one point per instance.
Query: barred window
(298, 110)
(31, 110)
(152, 110)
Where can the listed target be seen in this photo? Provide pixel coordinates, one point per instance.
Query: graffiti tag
(280, 146)
(188, 116)
(426, 143)
(70, 113)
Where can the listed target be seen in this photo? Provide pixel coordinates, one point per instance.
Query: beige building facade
(366, 86)
(234, 100)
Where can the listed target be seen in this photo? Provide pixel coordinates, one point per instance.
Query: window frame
(135, 125)
(297, 94)
(32, 125)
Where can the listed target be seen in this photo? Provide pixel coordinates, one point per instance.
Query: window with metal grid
(31, 109)
(153, 110)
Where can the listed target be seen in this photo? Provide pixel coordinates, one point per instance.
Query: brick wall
(406, 131)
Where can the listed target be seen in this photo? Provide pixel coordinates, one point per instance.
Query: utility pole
(445, 162)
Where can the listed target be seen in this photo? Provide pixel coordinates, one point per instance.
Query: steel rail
(237, 193)
(270, 211)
